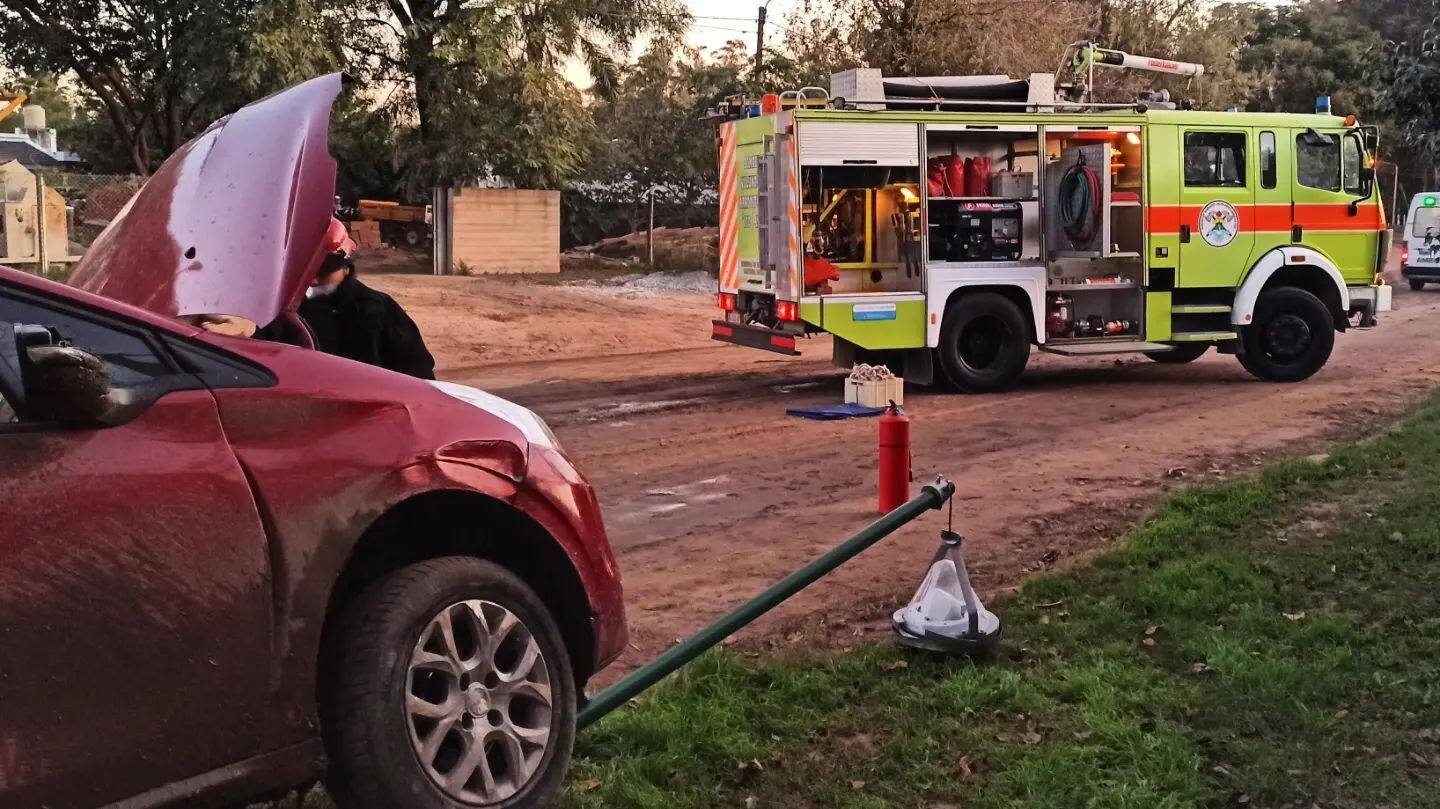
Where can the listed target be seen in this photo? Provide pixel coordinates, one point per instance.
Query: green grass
(1269, 642)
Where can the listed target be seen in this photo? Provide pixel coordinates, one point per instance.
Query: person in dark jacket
(354, 321)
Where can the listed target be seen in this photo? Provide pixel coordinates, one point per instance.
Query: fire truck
(945, 225)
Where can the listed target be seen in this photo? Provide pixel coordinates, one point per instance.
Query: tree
(160, 70)
(1412, 97)
(1298, 53)
(933, 37)
(483, 79)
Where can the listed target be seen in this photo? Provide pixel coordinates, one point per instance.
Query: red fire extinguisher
(894, 459)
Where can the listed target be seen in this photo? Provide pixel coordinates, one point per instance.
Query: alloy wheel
(478, 702)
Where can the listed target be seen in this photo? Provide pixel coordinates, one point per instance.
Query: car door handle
(1184, 234)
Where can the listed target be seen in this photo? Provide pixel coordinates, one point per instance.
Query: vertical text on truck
(946, 225)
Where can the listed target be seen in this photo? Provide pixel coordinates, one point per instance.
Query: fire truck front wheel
(984, 343)
(1291, 337)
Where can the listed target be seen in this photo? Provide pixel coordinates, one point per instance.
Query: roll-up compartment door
(857, 143)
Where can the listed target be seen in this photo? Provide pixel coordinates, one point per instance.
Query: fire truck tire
(984, 343)
(1180, 354)
(1291, 337)
(1416, 284)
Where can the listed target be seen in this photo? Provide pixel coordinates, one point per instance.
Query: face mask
(321, 290)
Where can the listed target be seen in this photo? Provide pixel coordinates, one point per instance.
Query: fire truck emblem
(1219, 223)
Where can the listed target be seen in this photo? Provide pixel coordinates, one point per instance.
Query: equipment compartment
(861, 229)
(1095, 231)
(981, 185)
(1094, 192)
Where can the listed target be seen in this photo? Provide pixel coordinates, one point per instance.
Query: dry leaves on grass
(963, 766)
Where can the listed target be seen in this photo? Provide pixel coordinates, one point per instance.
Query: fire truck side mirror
(1372, 139)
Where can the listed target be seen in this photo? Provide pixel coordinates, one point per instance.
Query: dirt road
(711, 492)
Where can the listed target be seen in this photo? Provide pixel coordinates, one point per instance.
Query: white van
(1420, 256)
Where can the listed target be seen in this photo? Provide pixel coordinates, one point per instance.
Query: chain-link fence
(51, 218)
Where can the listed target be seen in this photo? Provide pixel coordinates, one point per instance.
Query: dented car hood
(234, 222)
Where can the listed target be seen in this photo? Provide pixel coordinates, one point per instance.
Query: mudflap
(753, 337)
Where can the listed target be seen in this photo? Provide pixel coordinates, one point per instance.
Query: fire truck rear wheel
(984, 343)
(1291, 337)
(1180, 354)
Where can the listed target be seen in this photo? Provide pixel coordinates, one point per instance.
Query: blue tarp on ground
(836, 412)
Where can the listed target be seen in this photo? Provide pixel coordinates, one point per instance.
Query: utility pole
(760, 42)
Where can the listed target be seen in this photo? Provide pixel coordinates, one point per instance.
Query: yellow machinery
(12, 101)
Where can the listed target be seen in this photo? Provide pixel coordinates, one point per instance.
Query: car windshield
(1426, 219)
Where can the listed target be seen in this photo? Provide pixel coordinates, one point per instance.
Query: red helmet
(337, 239)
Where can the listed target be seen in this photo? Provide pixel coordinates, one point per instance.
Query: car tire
(414, 236)
(1416, 284)
(1181, 354)
(984, 343)
(1291, 337)
(399, 678)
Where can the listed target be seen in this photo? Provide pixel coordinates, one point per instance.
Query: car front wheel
(451, 688)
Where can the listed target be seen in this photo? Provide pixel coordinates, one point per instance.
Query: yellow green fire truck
(946, 225)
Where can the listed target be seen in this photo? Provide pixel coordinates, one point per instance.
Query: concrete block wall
(506, 230)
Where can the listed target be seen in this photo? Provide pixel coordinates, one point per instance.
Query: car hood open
(234, 222)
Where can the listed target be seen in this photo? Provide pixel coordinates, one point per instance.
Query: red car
(230, 567)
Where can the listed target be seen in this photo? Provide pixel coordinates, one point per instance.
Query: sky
(738, 20)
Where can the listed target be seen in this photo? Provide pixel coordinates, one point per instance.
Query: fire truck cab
(946, 225)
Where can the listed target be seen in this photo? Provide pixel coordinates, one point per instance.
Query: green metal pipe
(931, 497)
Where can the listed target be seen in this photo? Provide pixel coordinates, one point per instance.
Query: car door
(135, 590)
(1217, 201)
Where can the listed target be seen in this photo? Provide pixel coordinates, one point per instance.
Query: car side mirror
(66, 385)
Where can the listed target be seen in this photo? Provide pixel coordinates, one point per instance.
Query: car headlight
(535, 429)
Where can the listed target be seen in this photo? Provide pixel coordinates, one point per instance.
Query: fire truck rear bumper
(753, 337)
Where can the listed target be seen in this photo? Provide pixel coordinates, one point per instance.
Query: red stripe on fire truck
(1165, 219)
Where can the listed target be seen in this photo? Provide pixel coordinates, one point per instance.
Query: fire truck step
(1106, 347)
(1202, 336)
(1200, 309)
